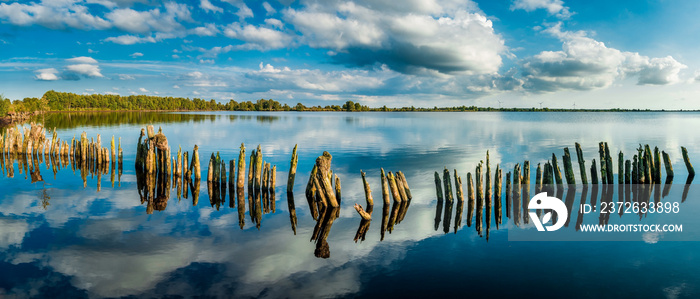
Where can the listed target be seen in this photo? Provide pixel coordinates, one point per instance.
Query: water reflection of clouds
(123, 252)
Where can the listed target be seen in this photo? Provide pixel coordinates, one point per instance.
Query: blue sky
(519, 53)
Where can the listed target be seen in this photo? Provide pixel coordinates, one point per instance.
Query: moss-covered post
(628, 171)
(581, 164)
(594, 173)
(657, 165)
(405, 184)
(568, 168)
(686, 159)
(438, 186)
(609, 164)
(667, 164)
(258, 168)
(603, 172)
(479, 198)
(394, 188)
(195, 164)
(620, 168)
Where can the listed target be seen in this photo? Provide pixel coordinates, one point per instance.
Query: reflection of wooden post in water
(479, 198)
(321, 233)
(385, 221)
(686, 188)
(569, 202)
(292, 211)
(525, 182)
(222, 180)
(311, 192)
(579, 218)
(292, 170)
(667, 164)
(195, 191)
(447, 218)
(516, 194)
(691, 170)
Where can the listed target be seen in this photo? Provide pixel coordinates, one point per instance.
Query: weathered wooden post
(385, 188)
(603, 171)
(195, 164)
(210, 168)
(487, 193)
(292, 170)
(458, 187)
(448, 185)
(556, 169)
(568, 168)
(609, 164)
(628, 168)
(538, 179)
(516, 193)
(405, 185)
(620, 169)
(258, 168)
(273, 181)
(525, 183)
(509, 193)
(438, 186)
(323, 163)
(251, 171)
(635, 170)
(594, 173)
(394, 188)
(497, 196)
(667, 164)
(311, 192)
(479, 199)
(368, 191)
(657, 165)
(686, 159)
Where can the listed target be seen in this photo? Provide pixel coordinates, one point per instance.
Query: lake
(63, 235)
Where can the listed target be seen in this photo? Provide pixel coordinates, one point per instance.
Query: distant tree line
(66, 101)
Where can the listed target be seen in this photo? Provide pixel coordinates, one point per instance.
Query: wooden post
(525, 183)
(385, 189)
(487, 192)
(479, 198)
(667, 164)
(251, 171)
(363, 214)
(657, 165)
(368, 191)
(273, 181)
(594, 173)
(538, 179)
(258, 168)
(628, 168)
(635, 170)
(292, 170)
(337, 191)
(458, 187)
(311, 187)
(620, 168)
(568, 168)
(603, 171)
(210, 168)
(195, 164)
(557, 171)
(609, 164)
(240, 182)
(691, 171)
(516, 193)
(394, 188)
(323, 163)
(497, 196)
(405, 184)
(438, 186)
(508, 194)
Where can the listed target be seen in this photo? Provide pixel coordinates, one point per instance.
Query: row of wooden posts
(30, 145)
(33, 142)
(645, 170)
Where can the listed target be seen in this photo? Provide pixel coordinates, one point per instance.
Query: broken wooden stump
(292, 170)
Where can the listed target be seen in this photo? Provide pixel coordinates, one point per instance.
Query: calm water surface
(59, 237)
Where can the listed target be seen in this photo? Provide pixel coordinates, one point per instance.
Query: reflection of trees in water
(66, 120)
